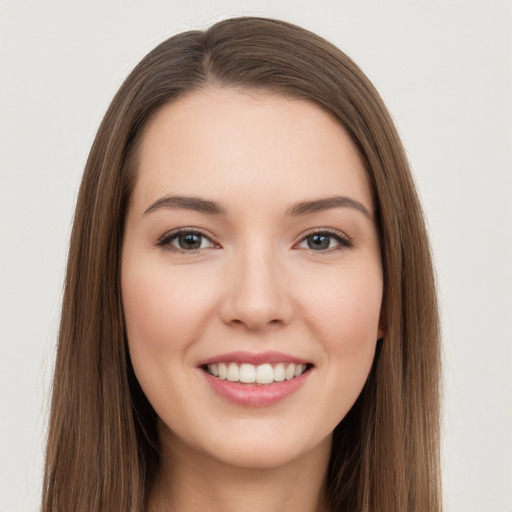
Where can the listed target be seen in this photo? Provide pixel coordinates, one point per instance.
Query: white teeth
(262, 374)
(223, 371)
(233, 373)
(289, 372)
(299, 369)
(247, 373)
(279, 372)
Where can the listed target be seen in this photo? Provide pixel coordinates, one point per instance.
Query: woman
(249, 319)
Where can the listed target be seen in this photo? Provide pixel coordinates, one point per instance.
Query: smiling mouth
(264, 374)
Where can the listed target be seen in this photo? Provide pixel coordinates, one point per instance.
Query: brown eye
(189, 241)
(324, 241)
(185, 241)
(319, 242)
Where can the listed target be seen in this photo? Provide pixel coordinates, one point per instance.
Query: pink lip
(253, 358)
(255, 395)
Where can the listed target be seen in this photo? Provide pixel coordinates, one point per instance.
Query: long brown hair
(102, 451)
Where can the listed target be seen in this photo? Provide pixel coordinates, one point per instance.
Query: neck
(189, 481)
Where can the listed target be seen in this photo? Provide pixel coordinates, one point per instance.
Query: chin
(266, 452)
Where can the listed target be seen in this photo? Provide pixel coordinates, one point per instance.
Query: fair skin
(252, 279)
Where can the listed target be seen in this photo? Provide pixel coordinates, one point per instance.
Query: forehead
(232, 144)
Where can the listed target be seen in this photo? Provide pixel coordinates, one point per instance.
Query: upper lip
(254, 358)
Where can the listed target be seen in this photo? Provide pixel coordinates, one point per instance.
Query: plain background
(444, 68)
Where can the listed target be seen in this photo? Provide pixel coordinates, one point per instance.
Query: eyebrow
(187, 203)
(298, 209)
(319, 205)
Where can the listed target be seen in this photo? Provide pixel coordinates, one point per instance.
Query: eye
(185, 240)
(324, 241)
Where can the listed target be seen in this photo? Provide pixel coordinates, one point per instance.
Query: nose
(257, 294)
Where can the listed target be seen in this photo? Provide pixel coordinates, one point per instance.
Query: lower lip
(255, 395)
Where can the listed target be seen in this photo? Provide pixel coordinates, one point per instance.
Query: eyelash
(343, 241)
(165, 241)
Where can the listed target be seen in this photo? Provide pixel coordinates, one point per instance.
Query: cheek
(162, 307)
(344, 316)
(346, 306)
(164, 315)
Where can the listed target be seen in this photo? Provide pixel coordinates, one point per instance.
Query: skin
(255, 284)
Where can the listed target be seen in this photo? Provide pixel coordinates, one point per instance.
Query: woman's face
(250, 253)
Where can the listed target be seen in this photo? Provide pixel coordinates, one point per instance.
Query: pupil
(190, 241)
(319, 242)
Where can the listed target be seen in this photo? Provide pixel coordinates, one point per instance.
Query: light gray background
(444, 69)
